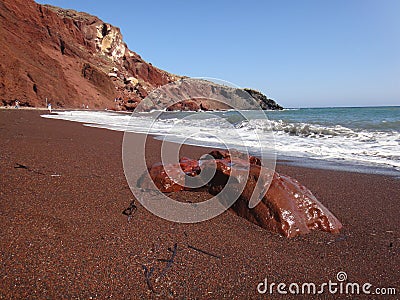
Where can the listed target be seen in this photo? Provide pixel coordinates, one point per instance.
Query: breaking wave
(379, 146)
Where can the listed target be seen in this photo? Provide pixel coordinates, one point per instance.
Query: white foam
(291, 139)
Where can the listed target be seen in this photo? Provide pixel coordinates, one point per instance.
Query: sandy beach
(63, 234)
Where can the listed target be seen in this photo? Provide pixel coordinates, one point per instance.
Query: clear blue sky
(301, 53)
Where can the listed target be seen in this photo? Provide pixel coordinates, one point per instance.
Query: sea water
(363, 139)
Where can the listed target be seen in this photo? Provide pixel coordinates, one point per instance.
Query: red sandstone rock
(163, 182)
(187, 105)
(218, 154)
(189, 166)
(287, 208)
(167, 184)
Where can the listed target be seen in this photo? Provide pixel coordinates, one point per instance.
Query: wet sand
(63, 234)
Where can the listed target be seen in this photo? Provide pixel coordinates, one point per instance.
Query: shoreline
(340, 166)
(300, 161)
(64, 235)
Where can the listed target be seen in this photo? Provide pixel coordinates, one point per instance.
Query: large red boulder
(286, 207)
(167, 178)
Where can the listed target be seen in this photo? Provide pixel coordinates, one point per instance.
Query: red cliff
(69, 57)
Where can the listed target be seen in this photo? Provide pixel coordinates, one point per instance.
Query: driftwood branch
(169, 262)
(130, 210)
(21, 166)
(147, 275)
(204, 252)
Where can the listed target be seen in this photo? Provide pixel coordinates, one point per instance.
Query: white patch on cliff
(109, 42)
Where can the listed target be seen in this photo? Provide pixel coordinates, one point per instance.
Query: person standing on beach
(49, 107)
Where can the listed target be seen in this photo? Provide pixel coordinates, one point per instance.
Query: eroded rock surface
(286, 207)
(263, 101)
(167, 178)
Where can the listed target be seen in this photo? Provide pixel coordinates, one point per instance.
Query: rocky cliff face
(263, 101)
(69, 57)
(74, 59)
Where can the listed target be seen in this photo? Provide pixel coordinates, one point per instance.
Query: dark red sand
(66, 237)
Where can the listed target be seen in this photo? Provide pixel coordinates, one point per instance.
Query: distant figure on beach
(49, 107)
(16, 104)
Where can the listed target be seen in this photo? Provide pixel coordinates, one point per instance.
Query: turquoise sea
(349, 138)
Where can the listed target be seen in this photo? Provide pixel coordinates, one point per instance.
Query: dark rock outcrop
(287, 207)
(263, 101)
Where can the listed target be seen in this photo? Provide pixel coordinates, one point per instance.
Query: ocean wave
(307, 130)
(337, 143)
(310, 130)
